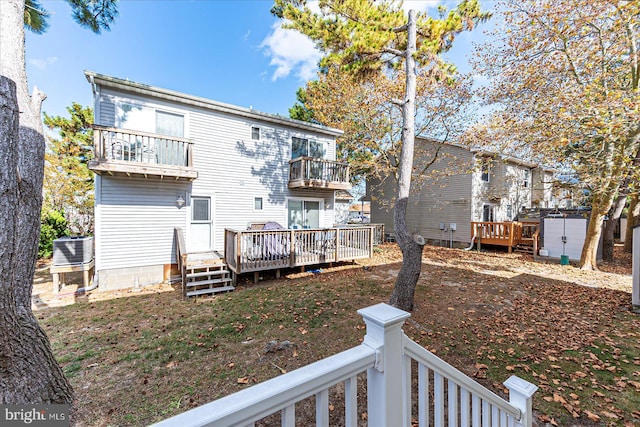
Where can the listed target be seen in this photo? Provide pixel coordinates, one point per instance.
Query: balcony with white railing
(309, 172)
(406, 384)
(141, 154)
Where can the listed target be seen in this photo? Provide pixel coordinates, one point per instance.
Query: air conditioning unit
(72, 250)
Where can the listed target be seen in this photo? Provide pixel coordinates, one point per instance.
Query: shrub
(52, 225)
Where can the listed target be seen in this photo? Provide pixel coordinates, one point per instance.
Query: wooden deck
(510, 234)
(259, 250)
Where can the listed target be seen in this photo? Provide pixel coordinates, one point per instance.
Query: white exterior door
(201, 224)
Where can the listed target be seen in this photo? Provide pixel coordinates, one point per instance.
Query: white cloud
(420, 5)
(291, 53)
(246, 35)
(42, 64)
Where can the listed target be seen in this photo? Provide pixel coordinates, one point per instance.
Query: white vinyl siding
(233, 169)
(136, 221)
(238, 169)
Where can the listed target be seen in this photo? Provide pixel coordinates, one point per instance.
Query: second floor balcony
(309, 172)
(141, 154)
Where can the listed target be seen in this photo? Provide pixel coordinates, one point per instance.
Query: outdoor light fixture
(180, 201)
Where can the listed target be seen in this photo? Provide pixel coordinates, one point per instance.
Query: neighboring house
(463, 186)
(342, 205)
(360, 212)
(165, 159)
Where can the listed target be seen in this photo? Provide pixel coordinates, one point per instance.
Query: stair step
(207, 273)
(210, 291)
(206, 266)
(209, 282)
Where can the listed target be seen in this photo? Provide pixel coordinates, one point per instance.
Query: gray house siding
(443, 195)
(453, 192)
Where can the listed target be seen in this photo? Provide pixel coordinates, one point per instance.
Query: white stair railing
(386, 355)
(458, 400)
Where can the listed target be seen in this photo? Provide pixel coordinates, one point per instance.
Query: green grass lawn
(142, 358)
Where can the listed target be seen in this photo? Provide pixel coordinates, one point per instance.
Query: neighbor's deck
(510, 234)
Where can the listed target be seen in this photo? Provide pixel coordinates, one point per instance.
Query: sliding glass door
(304, 214)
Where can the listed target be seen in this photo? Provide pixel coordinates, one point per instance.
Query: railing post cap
(383, 314)
(518, 385)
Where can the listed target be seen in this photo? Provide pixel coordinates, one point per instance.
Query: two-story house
(462, 186)
(167, 160)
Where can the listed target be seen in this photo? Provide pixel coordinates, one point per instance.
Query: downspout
(473, 241)
(94, 284)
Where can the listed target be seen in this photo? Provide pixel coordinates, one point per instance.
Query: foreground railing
(312, 172)
(258, 250)
(387, 356)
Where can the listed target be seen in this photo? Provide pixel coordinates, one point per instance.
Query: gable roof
(192, 100)
(343, 195)
(488, 153)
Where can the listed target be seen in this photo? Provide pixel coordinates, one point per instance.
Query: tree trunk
(411, 247)
(610, 226)
(633, 218)
(589, 257)
(28, 371)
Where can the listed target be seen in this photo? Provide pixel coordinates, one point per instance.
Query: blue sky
(229, 51)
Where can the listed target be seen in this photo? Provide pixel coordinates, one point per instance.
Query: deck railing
(445, 396)
(114, 144)
(378, 231)
(181, 255)
(258, 250)
(312, 172)
(504, 233)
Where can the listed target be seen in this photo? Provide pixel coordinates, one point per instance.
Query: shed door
(201, 224)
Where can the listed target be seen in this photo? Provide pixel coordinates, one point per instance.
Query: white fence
(445, 396)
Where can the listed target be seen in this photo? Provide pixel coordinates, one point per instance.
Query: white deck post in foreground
(384, 380)
(520, 396)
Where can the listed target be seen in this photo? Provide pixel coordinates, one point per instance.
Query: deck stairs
(206, 273)
(523, 249)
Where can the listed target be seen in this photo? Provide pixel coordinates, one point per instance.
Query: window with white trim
(257, 204)
(255, 133)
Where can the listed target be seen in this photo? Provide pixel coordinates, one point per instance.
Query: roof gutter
(196, 101)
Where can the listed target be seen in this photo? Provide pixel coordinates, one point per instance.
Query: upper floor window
(257, 204)
(485, 169)
(169, 124)
(303, 147)
(527, 178)
(255, 132)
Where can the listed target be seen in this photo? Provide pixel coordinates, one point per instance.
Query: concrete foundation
(130, 277)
